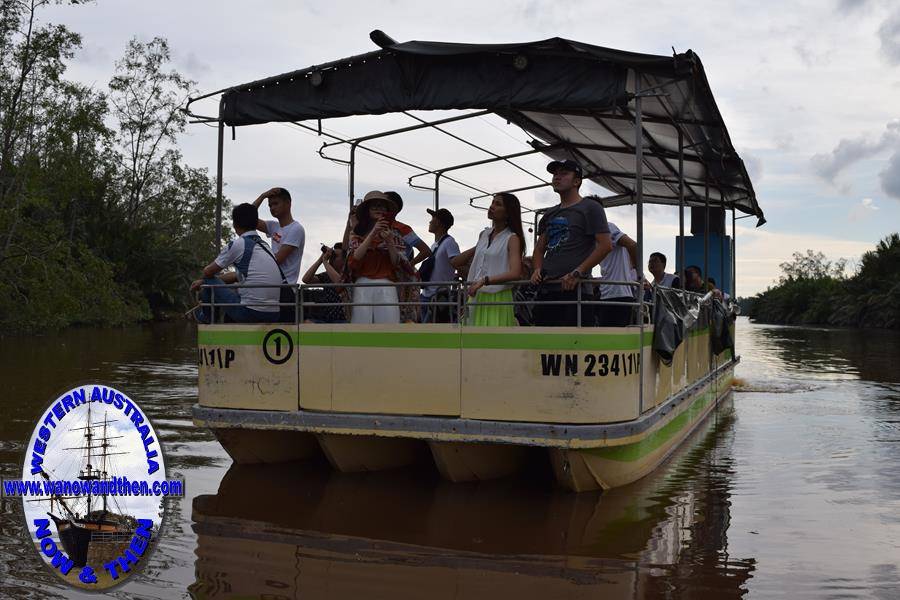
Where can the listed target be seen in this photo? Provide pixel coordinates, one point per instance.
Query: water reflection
(315, 533)
(797, 495)
(823, 354)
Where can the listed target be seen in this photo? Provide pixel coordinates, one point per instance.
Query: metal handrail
(457, 286)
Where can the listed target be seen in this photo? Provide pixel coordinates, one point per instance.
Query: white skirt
(379, 294)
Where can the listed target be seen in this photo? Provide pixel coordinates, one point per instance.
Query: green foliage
(99, 224)
(813, 290)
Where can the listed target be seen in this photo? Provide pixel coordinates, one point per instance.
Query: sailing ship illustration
(85, 520)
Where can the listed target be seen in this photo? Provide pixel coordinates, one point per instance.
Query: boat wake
(774, 387)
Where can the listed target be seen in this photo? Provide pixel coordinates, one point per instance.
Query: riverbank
(813, 291)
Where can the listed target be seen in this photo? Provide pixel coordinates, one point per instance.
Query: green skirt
(493, 316)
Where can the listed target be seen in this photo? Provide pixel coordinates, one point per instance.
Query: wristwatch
(577, 274)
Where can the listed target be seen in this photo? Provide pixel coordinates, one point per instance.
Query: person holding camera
(334, 261)
(376, 256)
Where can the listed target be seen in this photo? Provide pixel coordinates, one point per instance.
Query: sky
(808, 89)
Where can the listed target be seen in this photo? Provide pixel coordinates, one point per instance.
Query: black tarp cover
(560, 91)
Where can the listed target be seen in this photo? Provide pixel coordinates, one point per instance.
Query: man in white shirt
(287, 235)
(254, 265)
(618, 265)
(437, 267)
(657, 267)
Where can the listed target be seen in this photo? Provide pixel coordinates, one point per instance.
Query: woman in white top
(496, 259)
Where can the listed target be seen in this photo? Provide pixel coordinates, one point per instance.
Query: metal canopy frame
(627, 186)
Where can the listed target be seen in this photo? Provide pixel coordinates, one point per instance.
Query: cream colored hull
(603, 466)
(512, 394)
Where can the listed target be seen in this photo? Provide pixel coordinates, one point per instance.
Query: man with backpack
(437, 267)
(254, 265)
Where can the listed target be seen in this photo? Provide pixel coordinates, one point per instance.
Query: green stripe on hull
(237, 338)
(446, 340)
(660, 437)
(554, 341)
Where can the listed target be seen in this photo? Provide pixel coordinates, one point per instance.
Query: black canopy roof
(575, 97)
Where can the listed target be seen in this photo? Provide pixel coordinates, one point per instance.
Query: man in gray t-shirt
(573, 238)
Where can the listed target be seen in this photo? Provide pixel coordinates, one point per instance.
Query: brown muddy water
(791, 490)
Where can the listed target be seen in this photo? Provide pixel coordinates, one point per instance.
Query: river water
(791, 490)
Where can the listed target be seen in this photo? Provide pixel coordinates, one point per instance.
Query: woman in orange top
(376, 256)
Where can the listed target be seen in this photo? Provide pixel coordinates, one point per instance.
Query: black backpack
(427, 268)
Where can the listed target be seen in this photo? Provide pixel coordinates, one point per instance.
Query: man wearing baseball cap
(437, 267)
(573, 239)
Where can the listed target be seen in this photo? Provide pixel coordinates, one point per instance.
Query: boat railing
(458, 300)
(111, 536)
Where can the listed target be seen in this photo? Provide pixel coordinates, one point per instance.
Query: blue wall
(693, 248)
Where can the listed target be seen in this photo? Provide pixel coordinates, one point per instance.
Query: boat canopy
(576, 100)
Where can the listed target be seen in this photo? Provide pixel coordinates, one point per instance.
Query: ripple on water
(775, 386)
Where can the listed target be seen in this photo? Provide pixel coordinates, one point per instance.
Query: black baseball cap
(443, 215)
(566, 165)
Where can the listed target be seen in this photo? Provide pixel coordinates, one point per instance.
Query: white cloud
(889, 34)
(850, 151)
(890, 177)
(864, 209)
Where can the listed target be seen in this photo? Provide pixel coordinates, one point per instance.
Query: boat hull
(584, 457)
(75, 540)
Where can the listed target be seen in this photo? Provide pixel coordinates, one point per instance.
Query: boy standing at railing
(437, 267)
(287, 235)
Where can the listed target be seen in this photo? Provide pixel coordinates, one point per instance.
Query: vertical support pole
(681, 206)
(733, 252)
(681, 276)
(437, 190)
(722, 252)
(706, 269)
(351, 180)
(578, 305)
(219, 158)
(639, 201)
(706, 236)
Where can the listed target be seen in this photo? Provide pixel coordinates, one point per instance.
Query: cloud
(889, 34)
(754, 166)
(865, 208)
(94, 54)
(193, 66)
(849, 151)
(784, 141)
(848, 6)
(811, 58)
(890, 177)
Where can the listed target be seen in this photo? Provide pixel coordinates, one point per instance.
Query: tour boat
(606, 405)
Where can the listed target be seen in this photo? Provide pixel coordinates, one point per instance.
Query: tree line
(101, 220)
(813, 290)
